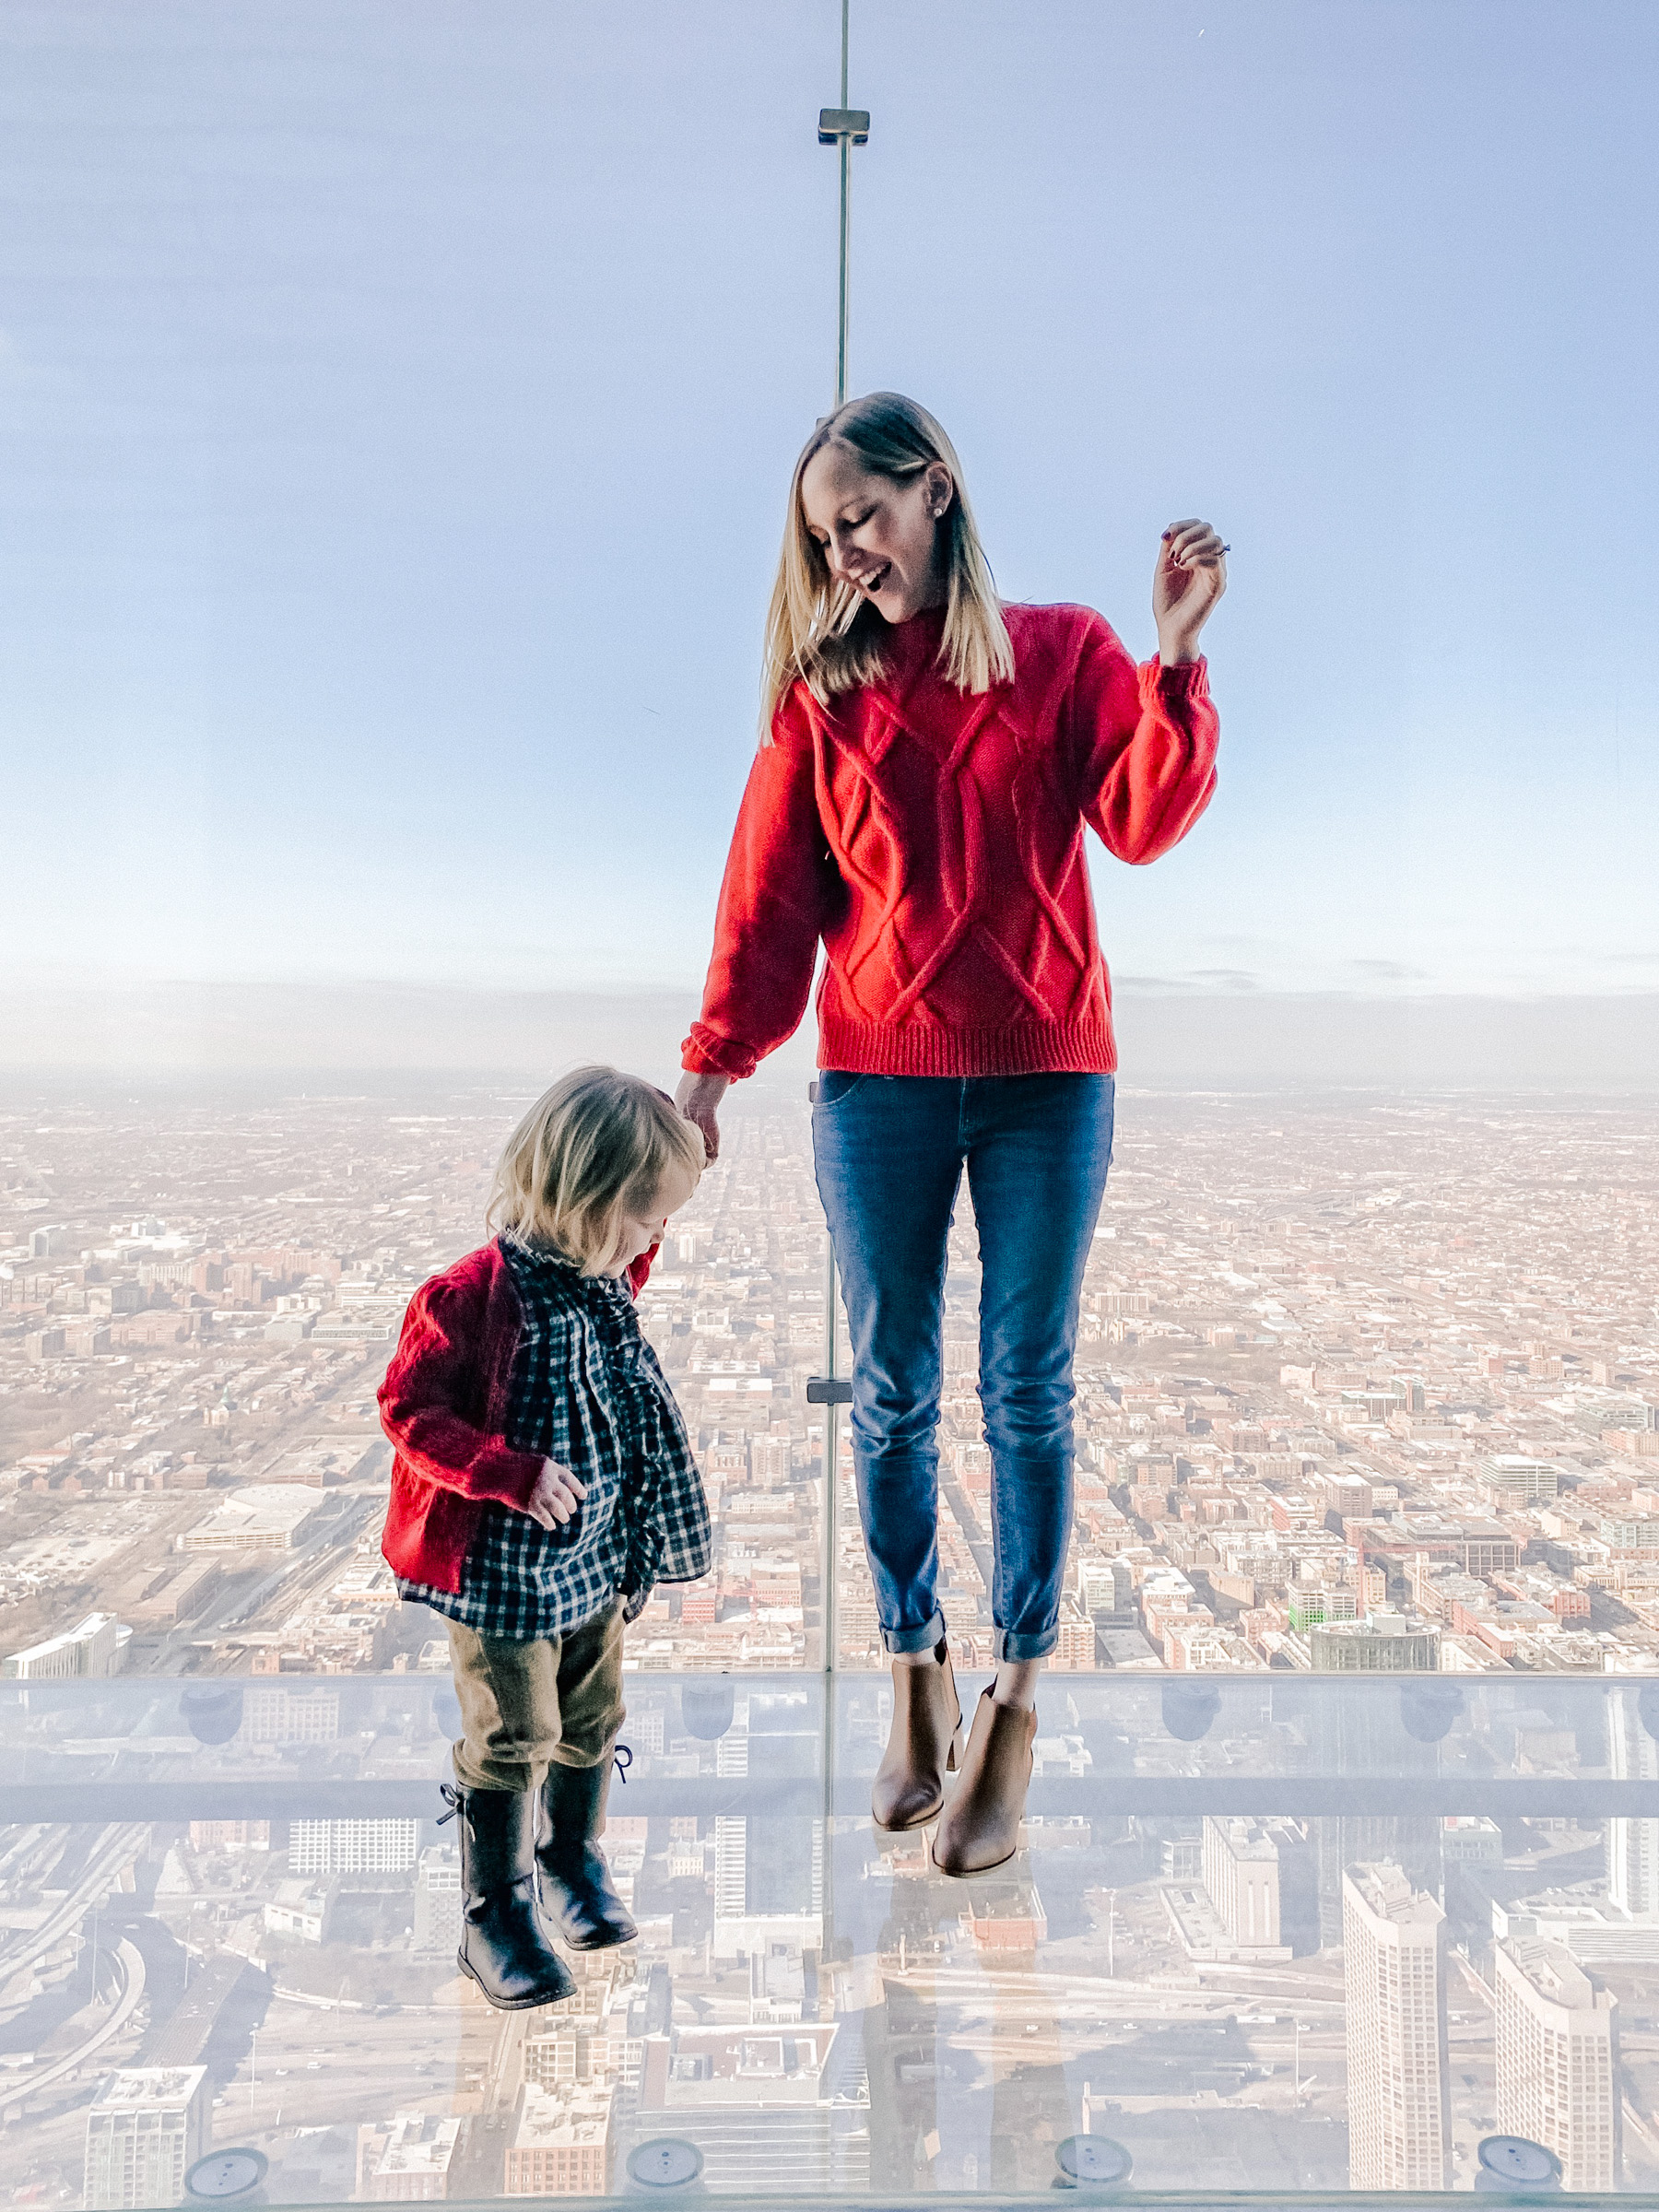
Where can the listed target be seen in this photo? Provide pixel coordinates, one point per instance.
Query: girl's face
(643, 1225)
(877, 533)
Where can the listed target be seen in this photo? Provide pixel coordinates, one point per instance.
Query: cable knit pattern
(934, 841)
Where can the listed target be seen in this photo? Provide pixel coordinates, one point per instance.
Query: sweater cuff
(1190, 679)
(706, 1053)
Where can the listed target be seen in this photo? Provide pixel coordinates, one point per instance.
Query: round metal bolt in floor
(1513, 2163)
(227, 2177)
(1095, 2160)
(666, 2162)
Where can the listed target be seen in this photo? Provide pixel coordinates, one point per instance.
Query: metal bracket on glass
(829, 1390)
(836, 123)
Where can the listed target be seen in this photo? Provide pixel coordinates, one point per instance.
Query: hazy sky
(396, 404)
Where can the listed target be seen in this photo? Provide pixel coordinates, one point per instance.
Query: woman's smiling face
(879, 534)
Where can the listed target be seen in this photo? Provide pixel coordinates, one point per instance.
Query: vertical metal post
(831, 1462)
(833, 1388)
(831, 1392)
(846, 186)
(843, 128)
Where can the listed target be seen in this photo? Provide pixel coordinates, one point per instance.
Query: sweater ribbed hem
(1026, 1048)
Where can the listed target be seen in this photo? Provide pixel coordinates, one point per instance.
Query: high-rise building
(1348, 1496)
(769, 1884)
(561, 2146)
(1633, 1845)
(761, 2102)
(229, 1835)
(1517, 1480)
(1556, 2041)
(95, 1647)
(438, 1900)
(1310, 1607)
(353, 1846)
(769, 1868)
(1395, 1973)
(407, 2163)
(146, 2128)
(1360, 1734)
(1383, 1642)
(1106, 1592)
(1241, 1881)
(770, 1462)
(276, 1714)
(596, 2036)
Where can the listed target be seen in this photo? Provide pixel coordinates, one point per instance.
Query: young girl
(930, 758)
(543, 1484)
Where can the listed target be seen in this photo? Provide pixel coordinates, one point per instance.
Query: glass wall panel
(1267, 1933)
(396, 414)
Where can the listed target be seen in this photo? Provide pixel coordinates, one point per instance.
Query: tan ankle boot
(980, 1827)
(925, 1742)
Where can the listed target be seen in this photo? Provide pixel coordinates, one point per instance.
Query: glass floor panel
(1268, 1935)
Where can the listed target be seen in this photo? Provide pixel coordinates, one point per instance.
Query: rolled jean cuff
(916, 1639)
(1036, 1646)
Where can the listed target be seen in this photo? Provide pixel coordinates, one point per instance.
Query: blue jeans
(889, 1152)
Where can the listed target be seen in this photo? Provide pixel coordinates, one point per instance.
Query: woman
(929, 757)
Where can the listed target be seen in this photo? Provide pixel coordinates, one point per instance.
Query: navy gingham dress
(586, 1390)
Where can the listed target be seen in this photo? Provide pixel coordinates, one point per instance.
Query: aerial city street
(1364, 1383)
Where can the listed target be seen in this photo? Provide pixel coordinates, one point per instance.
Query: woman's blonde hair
(828, 635)
(595, 1143)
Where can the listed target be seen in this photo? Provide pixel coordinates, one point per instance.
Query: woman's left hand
(1190, 577)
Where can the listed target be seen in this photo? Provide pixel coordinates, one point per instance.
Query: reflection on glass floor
(1269, 1934)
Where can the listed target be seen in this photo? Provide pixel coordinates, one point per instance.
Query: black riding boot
(504, 1947)
(576, 1892)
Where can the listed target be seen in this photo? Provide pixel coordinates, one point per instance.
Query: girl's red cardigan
(444, 1403)
(932, 839)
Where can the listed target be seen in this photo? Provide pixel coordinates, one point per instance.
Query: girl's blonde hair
(594, 1144)
(828, 635)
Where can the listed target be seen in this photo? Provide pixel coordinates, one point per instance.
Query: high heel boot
(980, 1826)
(924, 1744)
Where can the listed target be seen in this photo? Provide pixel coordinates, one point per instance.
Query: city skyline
(1362, 1382)
(215, 1039)
(1337, 1359)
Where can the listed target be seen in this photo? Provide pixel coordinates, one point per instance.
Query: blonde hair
(828, 637)
(592, 1144)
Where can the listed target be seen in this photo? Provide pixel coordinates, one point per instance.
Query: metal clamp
(829, 1390)
(836, 123)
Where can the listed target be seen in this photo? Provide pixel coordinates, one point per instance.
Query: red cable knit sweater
(934, 839)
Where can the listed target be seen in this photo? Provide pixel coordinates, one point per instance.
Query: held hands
(1191, 576)
(698, 1099)
(557, 1495)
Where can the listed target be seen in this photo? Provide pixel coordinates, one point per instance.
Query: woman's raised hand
(698, 1099)
(1191, 576)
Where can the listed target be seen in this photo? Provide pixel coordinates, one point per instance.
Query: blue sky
(396, 406)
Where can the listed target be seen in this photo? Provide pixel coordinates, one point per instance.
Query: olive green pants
(522, 1705)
